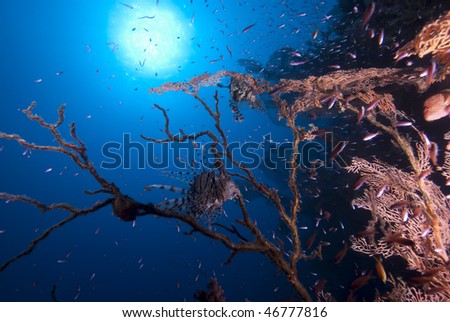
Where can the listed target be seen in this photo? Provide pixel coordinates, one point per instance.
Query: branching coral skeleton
(410, 216)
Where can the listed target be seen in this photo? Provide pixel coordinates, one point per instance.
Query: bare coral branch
(75, 213)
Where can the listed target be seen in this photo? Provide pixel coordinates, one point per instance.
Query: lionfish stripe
(168, 188)
(177, 176)
(172, 203)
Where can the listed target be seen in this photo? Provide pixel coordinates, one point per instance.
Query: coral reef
(410, 214)
(433, 39)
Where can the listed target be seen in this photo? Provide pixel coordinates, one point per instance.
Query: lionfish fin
(184, 177)
(172, 204)
(237, 115)
(165, 187)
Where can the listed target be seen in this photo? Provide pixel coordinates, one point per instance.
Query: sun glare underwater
(310, 110)
(153, 39)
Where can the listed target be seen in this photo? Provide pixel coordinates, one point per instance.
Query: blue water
(98, 257)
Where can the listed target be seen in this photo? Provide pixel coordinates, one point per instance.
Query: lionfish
(204, 198)
(240, 92)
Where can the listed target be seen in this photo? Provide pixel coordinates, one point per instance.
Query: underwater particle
(27, 150)
(425, 233)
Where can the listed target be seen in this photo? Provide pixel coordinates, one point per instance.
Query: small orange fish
(433, 153)
(351, 55)
(399, 205)
(398, 239)
(360, 183)
(380, 270)
(360, 281)
(319, 132)
(372, 105)
(431, 70)
(365, 233)
(368, 14)
(340, 254)
(380, 190)
(422, 279)
(311, 240)
(417, 212)
(381, 37)
(361, 113)
(424, 174)
(319, 285)
(338, 149)
(248, 28)
(314, 34)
